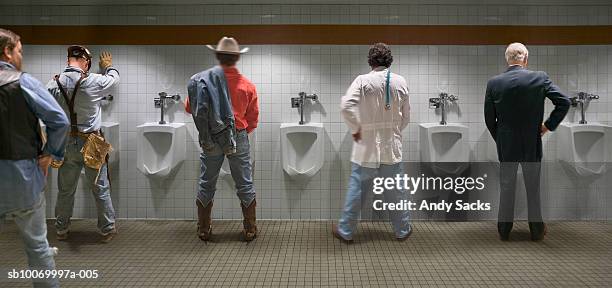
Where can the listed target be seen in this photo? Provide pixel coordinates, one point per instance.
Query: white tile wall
(281, 71)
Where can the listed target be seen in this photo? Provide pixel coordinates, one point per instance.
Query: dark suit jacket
(514, 110)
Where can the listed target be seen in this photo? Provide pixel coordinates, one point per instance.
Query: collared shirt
(245, 103)
(21, 181)
(244, 99)
(363, 108)
(93, 89)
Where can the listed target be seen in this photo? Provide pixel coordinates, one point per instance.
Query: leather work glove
(57, 164)
(106, 60)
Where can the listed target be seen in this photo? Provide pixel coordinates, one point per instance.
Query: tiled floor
(292, 253)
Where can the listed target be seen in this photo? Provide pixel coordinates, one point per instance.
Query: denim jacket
(211, 108)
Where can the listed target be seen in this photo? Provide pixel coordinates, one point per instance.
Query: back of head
(8, 40)
(227, 59)
(380, 55)
(516, 53)
(80, 52)
(228, 51)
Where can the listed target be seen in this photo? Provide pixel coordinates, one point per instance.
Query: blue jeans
(240, 166)
(33, 229)
(67, 179)
(360, 176)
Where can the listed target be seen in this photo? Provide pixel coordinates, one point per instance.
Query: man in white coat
(376, 108)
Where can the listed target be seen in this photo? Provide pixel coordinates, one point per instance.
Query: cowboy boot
(250, 227)
(204, 220)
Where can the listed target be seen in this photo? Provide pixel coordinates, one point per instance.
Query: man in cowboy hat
(225, 109)
(80, 93)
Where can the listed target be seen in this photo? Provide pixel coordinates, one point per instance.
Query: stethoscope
(388, 94)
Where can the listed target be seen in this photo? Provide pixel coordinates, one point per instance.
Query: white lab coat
(363, 109)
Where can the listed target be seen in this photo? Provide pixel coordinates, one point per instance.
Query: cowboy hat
(228, 45)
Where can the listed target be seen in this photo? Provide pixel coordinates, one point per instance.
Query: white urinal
(225, 168)
(584, 148)
(161, 147)
(111, 134)
(302, 148)
(445, 147)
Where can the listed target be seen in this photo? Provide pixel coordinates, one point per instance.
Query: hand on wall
(106, 60)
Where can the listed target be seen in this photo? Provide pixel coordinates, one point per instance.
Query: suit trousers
(507, 193)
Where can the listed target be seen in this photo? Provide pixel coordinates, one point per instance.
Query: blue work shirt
(92, 90)
(22, 181)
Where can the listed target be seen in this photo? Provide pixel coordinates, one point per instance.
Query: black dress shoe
(504, 228)
(538, 230)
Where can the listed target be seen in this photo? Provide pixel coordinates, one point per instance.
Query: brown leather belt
(84, 135)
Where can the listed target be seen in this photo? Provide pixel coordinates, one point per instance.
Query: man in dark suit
(514, 109)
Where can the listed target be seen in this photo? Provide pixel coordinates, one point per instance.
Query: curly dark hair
(380, 55)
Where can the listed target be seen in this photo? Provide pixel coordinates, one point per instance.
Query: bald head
(517, 54)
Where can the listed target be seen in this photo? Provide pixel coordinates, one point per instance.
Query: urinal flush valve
(582, 99)
(107, 100)
(295, 102)
(434, 103)
(160, 102)
(441, 102)
(298, 102)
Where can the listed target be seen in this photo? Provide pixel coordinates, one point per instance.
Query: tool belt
(95, 150)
